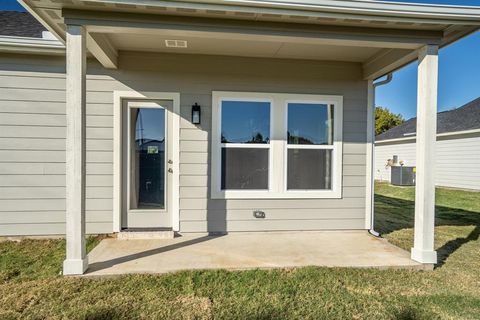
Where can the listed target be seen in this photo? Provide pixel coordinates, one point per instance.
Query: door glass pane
(244, 168)
(147, 158)
(245, 122)
(309, 169)
(310, 123)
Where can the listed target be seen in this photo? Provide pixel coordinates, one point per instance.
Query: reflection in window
(245, 122)
(309, 167)
(310, 124)
(147, 158)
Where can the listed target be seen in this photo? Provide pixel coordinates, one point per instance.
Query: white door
(148, 160)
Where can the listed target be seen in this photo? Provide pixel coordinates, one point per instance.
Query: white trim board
(118, 96)
(31, 45)
(376, 10)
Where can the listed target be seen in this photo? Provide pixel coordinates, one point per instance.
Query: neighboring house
(457, 149)
(286, 122)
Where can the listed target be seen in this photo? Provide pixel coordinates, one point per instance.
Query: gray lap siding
(32, 140)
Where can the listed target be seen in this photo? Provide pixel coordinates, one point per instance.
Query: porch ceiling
(238, 47)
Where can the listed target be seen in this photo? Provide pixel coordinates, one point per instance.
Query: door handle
(170, 170)
(170, 161)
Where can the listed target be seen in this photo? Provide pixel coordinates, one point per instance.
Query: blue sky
(459, 75)
(454, 2)
(10, 5)
(458, 83)
(459, 71)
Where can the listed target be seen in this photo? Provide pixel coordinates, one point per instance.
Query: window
(273, 145)
(147, 158)
(245, 140)
(309, 146)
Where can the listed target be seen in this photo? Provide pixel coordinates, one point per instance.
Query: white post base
(75, 266)
(423, 256)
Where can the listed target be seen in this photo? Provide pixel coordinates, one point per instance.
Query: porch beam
(423, 248)
(102, 49)
(108, 22)
(386, 61)
(76, 259)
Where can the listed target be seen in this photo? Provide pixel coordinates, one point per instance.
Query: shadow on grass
(392, 214)
(409, 313)
(105, 313)
(453, 245)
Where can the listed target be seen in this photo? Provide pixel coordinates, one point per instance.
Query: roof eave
(44, 22)
(353, 7)
(27, 45)
(439, 135)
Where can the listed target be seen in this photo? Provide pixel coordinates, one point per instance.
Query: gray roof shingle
(464, 118)
(20, 24)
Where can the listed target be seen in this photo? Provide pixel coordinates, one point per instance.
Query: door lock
(170, 161)
(170, 170)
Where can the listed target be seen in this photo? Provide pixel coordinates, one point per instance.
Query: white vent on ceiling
(176, 43)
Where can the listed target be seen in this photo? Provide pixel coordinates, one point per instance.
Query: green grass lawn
(31, 286)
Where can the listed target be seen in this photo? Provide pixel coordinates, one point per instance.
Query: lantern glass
(196, 114)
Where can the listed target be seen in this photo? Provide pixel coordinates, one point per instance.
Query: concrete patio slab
(246, 251)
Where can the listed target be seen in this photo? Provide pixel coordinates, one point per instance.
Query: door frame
(118, 98)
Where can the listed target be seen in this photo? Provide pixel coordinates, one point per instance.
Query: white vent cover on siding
(176, 43)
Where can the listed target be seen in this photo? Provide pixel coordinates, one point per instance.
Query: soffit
(235, 47)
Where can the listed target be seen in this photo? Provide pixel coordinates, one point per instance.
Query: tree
(385, 120)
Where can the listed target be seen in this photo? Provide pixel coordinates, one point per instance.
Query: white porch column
(76, 262)
(423, 249)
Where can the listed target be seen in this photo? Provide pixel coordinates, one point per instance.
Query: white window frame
(336, 147)
(216, 171)
(278, 147)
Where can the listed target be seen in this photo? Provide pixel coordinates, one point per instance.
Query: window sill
(256, 194)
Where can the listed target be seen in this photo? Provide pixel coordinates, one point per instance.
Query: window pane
(309, 169)
(147, 158)
(244, 168)
(310, 123)
(245, 122)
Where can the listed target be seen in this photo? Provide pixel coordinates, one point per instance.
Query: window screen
(244, 168)
(309, 169)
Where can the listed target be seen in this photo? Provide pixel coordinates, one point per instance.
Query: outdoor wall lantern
(196, 114)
